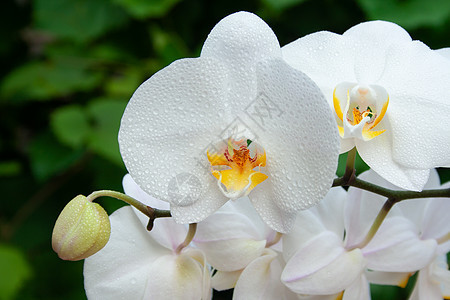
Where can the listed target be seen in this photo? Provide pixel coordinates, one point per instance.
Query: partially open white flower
(390, 95)
(236, 121)
(137, 264)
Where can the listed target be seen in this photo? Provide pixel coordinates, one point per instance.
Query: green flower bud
(81, 229)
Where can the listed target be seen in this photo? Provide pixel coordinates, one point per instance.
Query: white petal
(165, 231)
(323, 267)
(225, 280)
(240, 40)
(444, 52)
(261, 280)
(396, 247)
(121, 269)
(325, 57)
(131, 188)
(166, 127)
(175, 277)
(302, 143)
(380, 33)
(377, 154)
(388, 278)
(420, 132)
(359, 289)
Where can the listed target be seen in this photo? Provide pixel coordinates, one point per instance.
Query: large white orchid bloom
(236, 119)
(244, 251)
(320, 261)
(390, 95)
(137, 264)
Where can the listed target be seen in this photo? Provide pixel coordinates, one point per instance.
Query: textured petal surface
(302, 144)
(377, 153)
(396, 247)
(121, 269)
(322, 267)
(157, 154)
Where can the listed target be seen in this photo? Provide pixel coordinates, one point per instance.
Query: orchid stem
(350, 165)
(150, 212)
(376, 223)
(189, 237)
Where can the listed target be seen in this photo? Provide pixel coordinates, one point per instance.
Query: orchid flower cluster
(232, 159)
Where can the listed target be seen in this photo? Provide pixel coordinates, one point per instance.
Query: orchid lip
(365, 107)
(233, 163)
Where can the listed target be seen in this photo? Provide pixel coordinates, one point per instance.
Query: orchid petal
(444, 52)
(165, 231)
(323, 267)
(112, 276)
(359, 289)
(175, 277)
(261, 280)
(225, 280)
(396, 247)
(377, 153)
(297, 160)
(388, 278)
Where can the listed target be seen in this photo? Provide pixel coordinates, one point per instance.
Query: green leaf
(15, 270)
(282, 4)
(147, 8)
(410, 14)
(47, 80)
(126, 83)
(80, 20)
(10, 168)
(48, 157)
(106, 115)
(70, 125)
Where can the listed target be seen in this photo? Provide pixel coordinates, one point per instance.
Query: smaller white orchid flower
(320, 261)
(137, 264)
(390, 95)
(236, 121)
(244, 251)
(430, 218)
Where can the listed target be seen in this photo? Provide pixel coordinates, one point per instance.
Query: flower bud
(81, 229)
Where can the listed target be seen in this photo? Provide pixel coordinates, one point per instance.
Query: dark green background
(68, 68)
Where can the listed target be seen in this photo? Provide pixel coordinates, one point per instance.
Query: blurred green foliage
(68, 70)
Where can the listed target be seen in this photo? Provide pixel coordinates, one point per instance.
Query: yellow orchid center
(233, 163)
(365, 107)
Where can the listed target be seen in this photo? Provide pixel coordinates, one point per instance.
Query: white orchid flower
(430, 218)
(390, 95)
(236, 120)
(320, 261)
(244, 252)
(137, 264)
(444, 52)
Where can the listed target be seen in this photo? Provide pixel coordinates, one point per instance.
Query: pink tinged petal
(359, 289)
(388, 278)
(120, 270)
(301, 158)
(225, 280)
(175, 277)
(396, 247)
(377, 153)
(323, 267)
(157, 154)
(261, 280)
(420, 130)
